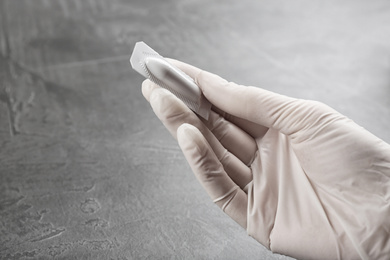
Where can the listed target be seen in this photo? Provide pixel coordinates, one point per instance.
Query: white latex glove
(304, 180)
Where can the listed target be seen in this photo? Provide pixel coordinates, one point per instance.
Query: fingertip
(204, 79)
(188, 69)
(173, 61)
(147, 88)
(180, 64)
(186, 133)
(209, 83)
(183, 129)
(158, 99)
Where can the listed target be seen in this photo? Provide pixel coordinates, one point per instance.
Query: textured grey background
(88, 172)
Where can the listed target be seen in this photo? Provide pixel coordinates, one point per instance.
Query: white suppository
(153, 66)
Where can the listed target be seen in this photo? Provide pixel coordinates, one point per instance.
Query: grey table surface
(86, 169)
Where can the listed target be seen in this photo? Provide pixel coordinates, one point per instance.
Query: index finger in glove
(286, 114)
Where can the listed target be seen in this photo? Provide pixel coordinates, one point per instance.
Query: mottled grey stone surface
(88, 172)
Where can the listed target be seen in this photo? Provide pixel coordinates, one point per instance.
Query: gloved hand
(304, 180)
